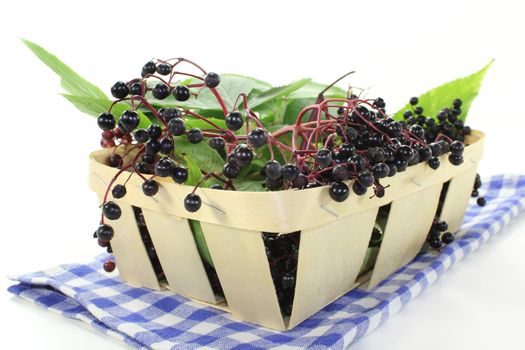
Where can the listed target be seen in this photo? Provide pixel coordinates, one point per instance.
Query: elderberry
(141, 135)
(212, 80)
(176, 126)
(217, 143)
(105, 232)
(234, 121)
(106, 121)
(112, 211)
(179, 174)
(289, 172)
(163, 69)
(148, 68)
(258, 137)
(339, 191)
(181, 93)
(150, 187)
(192, 202)
(195, 135)
(164, 167)
(160, 91)
(129, 121)
(119, 191)
(243, 154)
(323, 157)
(120, 90)
(272, 169)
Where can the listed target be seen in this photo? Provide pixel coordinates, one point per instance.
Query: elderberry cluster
(438, 235)
(331, 143)
(282, 252)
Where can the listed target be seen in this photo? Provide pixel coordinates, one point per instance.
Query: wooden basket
(333, 242)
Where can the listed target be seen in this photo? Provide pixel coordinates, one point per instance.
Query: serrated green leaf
(465, 88)
(71, 81)
(95, 106)
(194, 173)
(277, 92)
(207, 159)
(200, 240)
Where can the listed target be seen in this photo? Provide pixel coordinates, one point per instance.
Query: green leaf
(192, 122)
(294, 107)
(71, 81)
(204, 156)
(95, 106)
(200, 240)
(465, 88)
(277, 92)
(230, 87)
(312, 90)
(248, 185)
(194, 173)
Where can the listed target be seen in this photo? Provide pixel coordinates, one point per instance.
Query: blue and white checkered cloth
(160, 320)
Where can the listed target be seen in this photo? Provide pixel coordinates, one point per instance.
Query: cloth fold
(161, 320)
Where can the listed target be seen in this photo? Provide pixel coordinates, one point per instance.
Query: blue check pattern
(148, 319)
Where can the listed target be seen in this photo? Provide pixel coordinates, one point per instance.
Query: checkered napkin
(160, 320)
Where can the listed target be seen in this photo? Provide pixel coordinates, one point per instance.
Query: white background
(398, 48)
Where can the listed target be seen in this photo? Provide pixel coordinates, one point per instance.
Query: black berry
(112, 211)
(192, 202)
(161, 91)
(120, 90)
(119, 191)
(105, 232)
(106, 121)
(181, 93)
(179, 174)
(150, 187)
(339, 191)
(195, 135)
(212, 80)
(234, 121)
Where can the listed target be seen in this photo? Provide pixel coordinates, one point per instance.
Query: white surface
(399, 48)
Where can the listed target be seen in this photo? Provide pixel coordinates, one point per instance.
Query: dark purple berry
(163, 69)
(115, 161)
(119, 191)
(181, 93)
(339, 191)
(167, 145)
(447, 238)
(234, 121)
(456, 148)
(192, 202)
(161, 91)
(164, 167)
(136, 89)
(258, 137)
(231, 170)
(141, 135)
(243, 154)
(176, 126)
(120, 90)
(455, 160)
(154, 131)
(105, 232)
(217, 143)
(481, 201)
(170, 113)
(433, 163)
(358, 188)
(179, 174)
(129, 121)
(106, 121)
(380, 170)
(290, 172)
(414, 101)
(340, 173)
(195, 135)
(150, 187)
(148, 68)
(323, 157)
(112, 211)
(212, 80)
(366, 178)
(272, 169)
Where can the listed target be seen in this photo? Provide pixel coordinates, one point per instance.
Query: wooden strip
(291, 210)
(457, 198)
(330, 257)
(132, 259)
(178, 254)
(242, 266)
(407, 227)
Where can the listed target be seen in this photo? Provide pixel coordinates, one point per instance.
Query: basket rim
(279, 211)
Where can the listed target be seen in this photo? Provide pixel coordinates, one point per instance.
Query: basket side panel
(178, 254)
(132, 259)
(407, 227)
(457, 198)
(330, 258)
(240, 260)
